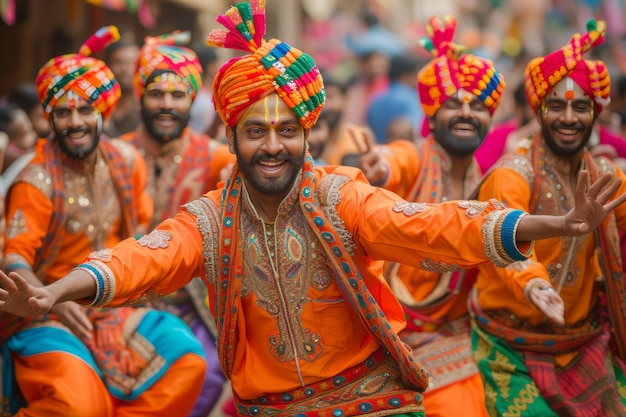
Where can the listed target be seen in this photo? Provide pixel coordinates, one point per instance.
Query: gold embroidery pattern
(157, 239)
(409, 209)
(492, 234)
(36, 176)
(281, 282)
(520, 403)
(104, 255)
(437, 266)
(329, 196)
(475, 208)
(17, 225)
(105, 288)
(207, 217)
(519, 164)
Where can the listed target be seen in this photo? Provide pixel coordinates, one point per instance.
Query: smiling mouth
(464, 129)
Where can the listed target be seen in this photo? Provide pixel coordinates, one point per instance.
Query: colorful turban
(451, 70)
(166, 53)
(543, 73)
(88, 77)
(272, 67)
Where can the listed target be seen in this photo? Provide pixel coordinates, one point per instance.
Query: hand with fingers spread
(592, 206)
(19, 297)
(371, 160)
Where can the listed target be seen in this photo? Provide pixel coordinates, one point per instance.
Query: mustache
(472, 122)
(176, 115)
(82, 129)
(283, 156)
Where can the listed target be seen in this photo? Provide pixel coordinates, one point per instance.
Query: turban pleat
(543, 73)
(272, 67)
(451, 70)
(86, 76)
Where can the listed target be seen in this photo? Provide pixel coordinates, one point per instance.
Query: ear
(230, 137)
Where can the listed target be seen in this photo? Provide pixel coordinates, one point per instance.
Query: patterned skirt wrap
(526, 383)
(371, 389)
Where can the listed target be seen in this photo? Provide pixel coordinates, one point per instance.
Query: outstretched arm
(20, 298)
(591, 208)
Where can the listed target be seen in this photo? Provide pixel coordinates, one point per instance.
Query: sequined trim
(492, 232)
(437, 266)
(409, 209)
(104, 255)
(157, 239)
(475, 208)
(207, 217)
(17, 225)
(38, 177)
(105, 282)
(329, 196)
(519, 164)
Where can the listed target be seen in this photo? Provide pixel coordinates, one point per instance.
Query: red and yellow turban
(272, 67)
(543, 73)
(88, 77)
(451, 70)
(166, 53)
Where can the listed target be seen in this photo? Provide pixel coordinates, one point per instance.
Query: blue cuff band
(509, 228)
(99, 281)
(17, 265)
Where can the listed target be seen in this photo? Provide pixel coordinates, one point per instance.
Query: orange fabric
(159, 401)
(37, 209)
(457, 399)
(190, 166)
(507, 292)
(337, 148)
(380, 233)
(78, 390)
(418, 173)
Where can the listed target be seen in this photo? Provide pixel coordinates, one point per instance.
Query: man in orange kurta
(182, 166)
(83, 192)
(307, 324)
(549, 334)
(440, 168)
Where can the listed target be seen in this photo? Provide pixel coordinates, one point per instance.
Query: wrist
(538, 283)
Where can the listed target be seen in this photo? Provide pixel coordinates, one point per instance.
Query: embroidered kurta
(181, 169)
(295, 326)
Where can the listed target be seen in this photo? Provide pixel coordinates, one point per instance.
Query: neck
(266, 206)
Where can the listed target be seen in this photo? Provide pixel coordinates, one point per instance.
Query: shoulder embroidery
(208, 215)
(474, 208)
(38, 177)
(157, 239)
(127, 150)
(104, 255)
(329, 196)
(409, 208)
(519, 164)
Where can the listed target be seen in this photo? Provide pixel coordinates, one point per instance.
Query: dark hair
(403, 64)
(116, 46)
(519, 95)
(25, 97)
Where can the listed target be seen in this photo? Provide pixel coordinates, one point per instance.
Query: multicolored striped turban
(166, 53)
(88, 77)
(451, 70)
(592, 76)
(272, 67)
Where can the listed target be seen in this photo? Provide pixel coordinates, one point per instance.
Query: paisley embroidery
(157, 239)
(409, 209)
(104, 255)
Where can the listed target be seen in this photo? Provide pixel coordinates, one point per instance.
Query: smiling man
(83, 192)
(459, 94)
(182, 165)
(550, 332)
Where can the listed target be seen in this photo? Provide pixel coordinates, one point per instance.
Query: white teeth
(271, 164)
(463, 126)
(567, 131)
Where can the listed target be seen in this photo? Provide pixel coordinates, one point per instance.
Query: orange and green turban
(543, 73)
(88, 77)
(166, 53)
(451, 70)
(272, 67)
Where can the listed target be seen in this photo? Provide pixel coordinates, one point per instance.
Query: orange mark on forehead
(168, 82)
(464, 96)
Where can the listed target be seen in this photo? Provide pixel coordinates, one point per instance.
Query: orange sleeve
(404, 166)
(28, 213)
(157, 264)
